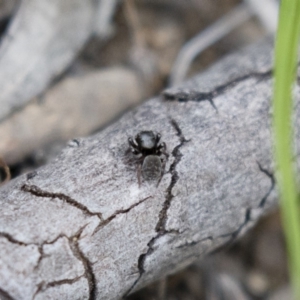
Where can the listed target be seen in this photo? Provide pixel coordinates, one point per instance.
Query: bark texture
(41, 41)
(82, 228)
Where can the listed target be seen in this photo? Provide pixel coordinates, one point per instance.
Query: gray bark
(82, 228)
(77, 105)
(41, 41)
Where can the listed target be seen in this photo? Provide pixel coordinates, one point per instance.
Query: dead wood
(82, 228)
(75, 106)
(42, 40)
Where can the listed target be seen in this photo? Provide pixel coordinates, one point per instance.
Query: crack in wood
(262, 202)
(194, 243)
(88, 273)
(235, 233)
(36, 191)
(13, 240)
(39, 246)
(73, 241)
(63, 281)
(160, 227)
(119, 212)
(4, 295)
(186, 96)
(44, 286)
(272, 178)
(61, 235)
(42, 255)
(192, 95)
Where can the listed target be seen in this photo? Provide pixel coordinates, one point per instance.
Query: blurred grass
(286, 54)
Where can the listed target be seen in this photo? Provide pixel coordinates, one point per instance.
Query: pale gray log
(102, 235)
(77, 105)
(42, 40)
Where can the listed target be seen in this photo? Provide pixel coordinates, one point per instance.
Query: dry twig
(42, 40)
(81, 227)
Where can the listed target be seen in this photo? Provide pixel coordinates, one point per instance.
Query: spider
(152, 165)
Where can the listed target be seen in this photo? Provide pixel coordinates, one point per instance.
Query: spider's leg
(131, 142)
(139, 172)
(157, 138)
(134, 151)
(134, 146)
(162, 149)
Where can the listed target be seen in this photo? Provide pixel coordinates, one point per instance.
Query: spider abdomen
(152, 168)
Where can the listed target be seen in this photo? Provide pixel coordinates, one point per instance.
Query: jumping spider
(147, 143)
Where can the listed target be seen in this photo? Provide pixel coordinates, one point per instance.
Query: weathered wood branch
(77, 105)
(42, 40)
(81, 227)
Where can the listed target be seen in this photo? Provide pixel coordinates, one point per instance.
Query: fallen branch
(42, 40)
(77, 105)
(82, 227)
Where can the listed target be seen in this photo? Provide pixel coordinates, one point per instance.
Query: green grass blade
(286, 50)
